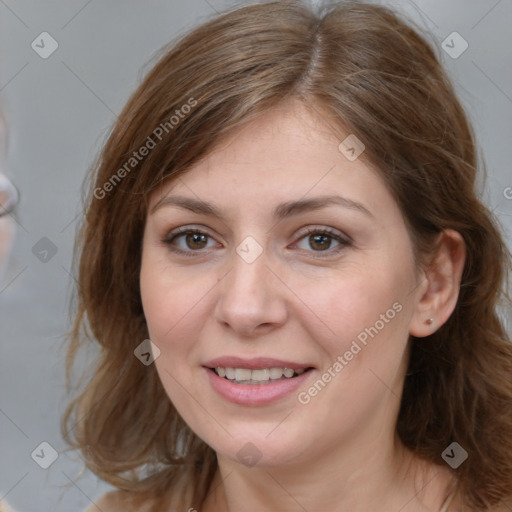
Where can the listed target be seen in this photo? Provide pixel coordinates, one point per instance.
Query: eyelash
(171, 237)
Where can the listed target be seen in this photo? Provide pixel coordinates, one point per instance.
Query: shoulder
(116, 501)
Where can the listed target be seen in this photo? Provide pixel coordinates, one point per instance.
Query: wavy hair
(365, 69)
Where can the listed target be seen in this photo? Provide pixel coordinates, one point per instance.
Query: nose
(252, 298)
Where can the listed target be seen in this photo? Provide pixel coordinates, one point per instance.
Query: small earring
(430, 321)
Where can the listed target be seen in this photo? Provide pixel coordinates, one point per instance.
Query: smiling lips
(256, 381)
(259, 370)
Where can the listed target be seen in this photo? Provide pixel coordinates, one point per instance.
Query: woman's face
(254, 291)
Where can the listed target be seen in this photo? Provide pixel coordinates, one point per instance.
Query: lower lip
(255, 394)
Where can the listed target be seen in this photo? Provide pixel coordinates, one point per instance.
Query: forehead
(287, 153)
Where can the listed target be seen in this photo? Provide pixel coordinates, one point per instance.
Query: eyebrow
(282, 211)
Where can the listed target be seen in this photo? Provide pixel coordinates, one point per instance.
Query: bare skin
(338, 451)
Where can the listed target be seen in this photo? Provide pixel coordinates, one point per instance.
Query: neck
(352, 478)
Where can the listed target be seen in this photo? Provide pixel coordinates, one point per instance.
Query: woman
(292, 280)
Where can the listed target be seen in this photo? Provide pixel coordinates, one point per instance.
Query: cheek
(171, 305)
(363, 333)
(170, 297)
(342, 306)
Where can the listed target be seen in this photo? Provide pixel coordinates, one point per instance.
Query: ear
(440, 291)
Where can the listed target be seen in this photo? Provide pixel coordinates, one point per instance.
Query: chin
(258, 450)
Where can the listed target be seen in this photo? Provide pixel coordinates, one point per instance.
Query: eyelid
(189, 229)
(313, 228)
(318, 228)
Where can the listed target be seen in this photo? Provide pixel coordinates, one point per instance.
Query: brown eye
(321, 240)
(187, 241)
(195, 240)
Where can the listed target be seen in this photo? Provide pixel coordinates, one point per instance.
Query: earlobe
(437, 300)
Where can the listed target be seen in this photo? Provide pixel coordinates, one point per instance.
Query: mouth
(258, 376)
(258, 381)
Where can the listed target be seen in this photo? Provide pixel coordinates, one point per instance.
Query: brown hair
(369, 72)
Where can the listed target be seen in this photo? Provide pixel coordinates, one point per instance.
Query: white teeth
(242, 374)
(259, 375)
(288, 372)
(276, 373)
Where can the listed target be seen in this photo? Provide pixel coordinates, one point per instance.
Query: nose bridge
(248, 296)
(247, 280)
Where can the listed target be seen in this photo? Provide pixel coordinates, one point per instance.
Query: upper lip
(254, 363)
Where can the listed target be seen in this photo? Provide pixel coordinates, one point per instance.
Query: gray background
(58, 111)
